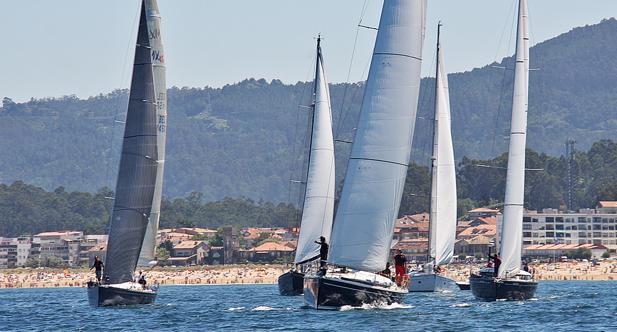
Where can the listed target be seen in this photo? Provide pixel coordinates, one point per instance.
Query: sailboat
(318, 207)
(511, 282)
(138, 171)
(442, 227)
(376, 171)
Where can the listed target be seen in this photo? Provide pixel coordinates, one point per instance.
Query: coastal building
(189, 253)
(587, 226)
(268, 252)
(14, 252)
(477, 245)
(482, 213)
(555, 251)
(411, 227)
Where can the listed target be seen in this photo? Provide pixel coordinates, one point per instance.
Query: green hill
(246, 139)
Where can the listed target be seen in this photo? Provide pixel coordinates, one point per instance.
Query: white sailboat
(138, 172)
(377, 168)
(318, 207)
(443, 191)
(510, 282)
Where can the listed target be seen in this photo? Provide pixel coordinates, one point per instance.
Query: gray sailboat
(137, 175)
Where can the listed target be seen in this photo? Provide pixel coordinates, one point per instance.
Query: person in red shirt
(400, 261)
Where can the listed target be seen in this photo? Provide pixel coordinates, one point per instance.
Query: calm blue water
(584, 306)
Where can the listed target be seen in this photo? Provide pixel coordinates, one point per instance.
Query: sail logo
(157, 56)
(162, 123)
(154, 34)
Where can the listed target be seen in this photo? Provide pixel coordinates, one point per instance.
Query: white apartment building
(587, 226)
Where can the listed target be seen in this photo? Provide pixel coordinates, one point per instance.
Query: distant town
(548, 234)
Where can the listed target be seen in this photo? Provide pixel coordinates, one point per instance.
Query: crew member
(323, 251)
(496, 263)
(400, 261)
(98, 267)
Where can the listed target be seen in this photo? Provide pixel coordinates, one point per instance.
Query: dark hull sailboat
(121, 294)
(291, 283)
(333, 291)
(486, 287)
(137, 173)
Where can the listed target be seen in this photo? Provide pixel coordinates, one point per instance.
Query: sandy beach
(194, 275)
(268, 274)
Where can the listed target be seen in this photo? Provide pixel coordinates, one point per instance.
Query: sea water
(558, 306)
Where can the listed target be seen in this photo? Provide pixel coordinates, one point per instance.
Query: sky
(85, 47)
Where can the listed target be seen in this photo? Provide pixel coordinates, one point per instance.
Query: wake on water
(377, 307)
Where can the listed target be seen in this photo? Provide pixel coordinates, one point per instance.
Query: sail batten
(443, 185)
(137, 170)
(157, 60)
(318, 207)
(377, 168)
(512, 228)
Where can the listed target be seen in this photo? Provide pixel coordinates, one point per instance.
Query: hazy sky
(85, 47)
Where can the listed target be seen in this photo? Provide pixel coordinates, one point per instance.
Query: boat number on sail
(162, 123)
(158, 56)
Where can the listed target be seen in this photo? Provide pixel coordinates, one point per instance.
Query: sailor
(323, 251)
(142, 279)
(496, 263)
(98, 267)
(525, 266)
(399, 266)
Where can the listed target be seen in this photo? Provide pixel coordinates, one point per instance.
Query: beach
(268, 274)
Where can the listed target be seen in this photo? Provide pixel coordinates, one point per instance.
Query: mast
(318, 207)
(430, 255)
(442, 233)
(138, 167)
(377, 167)
(153, 17)
(511, 235)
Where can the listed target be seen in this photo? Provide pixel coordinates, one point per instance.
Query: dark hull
(329, 293)
(291, 283)
(487, 289)
(463, 286)
(111, 296)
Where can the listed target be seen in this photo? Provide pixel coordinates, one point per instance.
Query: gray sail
(153, 17)
(138, 168)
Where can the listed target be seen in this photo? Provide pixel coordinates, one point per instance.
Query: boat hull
(427, 282)
(486, 288)
(108, 295)
(463, 285)
(291, 283)
(332, 293)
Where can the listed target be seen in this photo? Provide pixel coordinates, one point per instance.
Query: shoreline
(253, 274)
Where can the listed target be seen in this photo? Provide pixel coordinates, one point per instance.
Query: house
(482, 229)
(557, 250)
(189, 253)
(215, 256)
(411, 227)
(482, 212)
(416, 250)
(269, 252)
(475, 245)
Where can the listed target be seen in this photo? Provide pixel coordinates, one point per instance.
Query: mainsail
(138, 167)
(511, 235)
(443, 187)
(371, 196)
(160, 91)
(318, 210)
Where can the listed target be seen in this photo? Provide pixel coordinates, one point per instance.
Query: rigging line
(503, 30)
(342, 115)
(503, 86)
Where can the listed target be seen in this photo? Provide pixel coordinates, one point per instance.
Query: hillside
(246, 139)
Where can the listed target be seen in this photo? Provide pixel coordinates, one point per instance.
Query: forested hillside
(246, 139)
(29, 209)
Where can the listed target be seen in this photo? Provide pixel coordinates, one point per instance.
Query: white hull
(428, 282)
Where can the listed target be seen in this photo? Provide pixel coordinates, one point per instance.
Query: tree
(162, 254)
(606, 254)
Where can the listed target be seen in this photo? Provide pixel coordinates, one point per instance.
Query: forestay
(138, 167)
(318, 210)
(511, 235)
(377, 167)
(160, 91)
(443, 187)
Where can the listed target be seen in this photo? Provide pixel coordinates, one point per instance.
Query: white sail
(318, 210)
(371, 196)
(153, 18)
(511, 235)
(443, 187)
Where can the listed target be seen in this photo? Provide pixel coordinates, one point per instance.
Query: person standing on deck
(98, 267)
(400, 261)
(323, 251)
